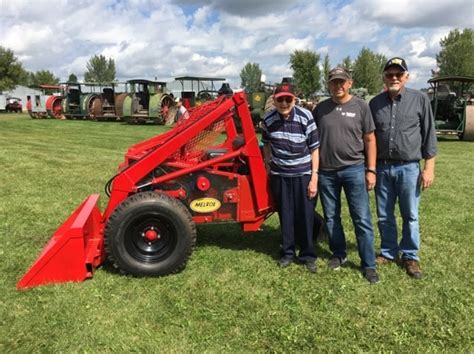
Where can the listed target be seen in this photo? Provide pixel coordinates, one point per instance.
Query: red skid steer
(208, 168)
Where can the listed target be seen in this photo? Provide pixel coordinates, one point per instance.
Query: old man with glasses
(405, 134)
(291, 154)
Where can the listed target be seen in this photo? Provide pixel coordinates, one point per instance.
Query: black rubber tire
(128, 249)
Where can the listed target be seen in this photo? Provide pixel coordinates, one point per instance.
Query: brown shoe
(413, 268)
(381, 260)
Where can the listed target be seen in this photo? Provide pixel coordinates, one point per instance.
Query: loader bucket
(73, 252)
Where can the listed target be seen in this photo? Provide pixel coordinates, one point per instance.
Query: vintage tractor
(146, 102)
(201, 171)
(452, 103)
(78, 99)
(46, 105)
(196, 90)
(104, 107)
(260, 102)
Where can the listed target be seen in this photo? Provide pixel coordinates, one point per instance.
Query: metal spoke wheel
(150, 234)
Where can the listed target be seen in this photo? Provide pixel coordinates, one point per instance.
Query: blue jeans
(398, 181)
(352, 180)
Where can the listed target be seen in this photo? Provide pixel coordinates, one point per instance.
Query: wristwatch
(371, 170)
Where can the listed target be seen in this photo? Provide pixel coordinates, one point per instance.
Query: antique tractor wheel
(96, 109)
(468, 133)
(150, 234)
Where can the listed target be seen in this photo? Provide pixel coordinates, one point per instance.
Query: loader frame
(217, 143)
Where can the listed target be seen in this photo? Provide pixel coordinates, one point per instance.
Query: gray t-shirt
(342, 128)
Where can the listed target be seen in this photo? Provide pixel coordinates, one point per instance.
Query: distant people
(405, 132)
(291, 146)
(182, 113)
(347, 162)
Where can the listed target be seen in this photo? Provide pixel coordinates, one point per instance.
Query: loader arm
(155, 151)
(77, 247)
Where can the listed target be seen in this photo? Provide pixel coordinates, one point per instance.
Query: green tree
(11, 70)
(99, 69)
(457, 53)
(72, 78)
(306, 72)
(347, 63)
(42, 77)
(326, 69)
(250, 77)
(367, 71)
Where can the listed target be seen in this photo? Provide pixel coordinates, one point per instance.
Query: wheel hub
(151, 235)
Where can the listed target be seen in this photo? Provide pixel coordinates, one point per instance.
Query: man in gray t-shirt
(347, 161)
(342, 141)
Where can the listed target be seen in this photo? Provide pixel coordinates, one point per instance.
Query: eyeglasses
(398, 75)
(287, 99)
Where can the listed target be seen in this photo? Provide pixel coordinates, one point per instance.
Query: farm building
(19, 92)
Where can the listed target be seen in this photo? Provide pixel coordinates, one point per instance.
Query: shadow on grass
(267, 241)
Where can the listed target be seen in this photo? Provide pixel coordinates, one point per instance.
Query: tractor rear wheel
(150, 234)
(468, 133)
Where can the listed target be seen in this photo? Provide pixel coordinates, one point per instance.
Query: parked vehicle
(196, 89)
(145, 102)
(13, 104)
(46, 105)
(202, 171)
(452, 103)
(78, 99)
(108, 105)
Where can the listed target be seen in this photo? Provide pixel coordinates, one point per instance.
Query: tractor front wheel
(150, 234)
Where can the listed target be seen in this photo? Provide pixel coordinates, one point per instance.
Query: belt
(393, 162)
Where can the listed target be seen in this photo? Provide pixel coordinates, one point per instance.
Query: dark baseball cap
(284, 90)
(339, 73)
(397, 61)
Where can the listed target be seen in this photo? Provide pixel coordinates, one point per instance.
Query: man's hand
(370, 180)
(427, 175)
(313, 186)
(427, 178)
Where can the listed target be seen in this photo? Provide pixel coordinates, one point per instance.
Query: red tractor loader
(201, 171)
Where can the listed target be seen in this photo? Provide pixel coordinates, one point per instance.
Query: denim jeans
(398, 181)
(352, 180)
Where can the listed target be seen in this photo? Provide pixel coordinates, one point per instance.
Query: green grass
(231, 297)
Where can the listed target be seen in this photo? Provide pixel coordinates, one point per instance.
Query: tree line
(99, 69)
(454, 58)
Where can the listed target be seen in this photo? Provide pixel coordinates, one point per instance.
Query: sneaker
(311, 266)
(382, 260)
(412, 268)
(285, 262)
(336, 262)
(371, 275)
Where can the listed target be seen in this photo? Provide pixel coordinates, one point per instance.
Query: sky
(164, 39)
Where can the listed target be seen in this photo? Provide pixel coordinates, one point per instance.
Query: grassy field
(231, 297)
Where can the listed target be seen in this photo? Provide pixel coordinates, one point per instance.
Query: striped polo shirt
(291, 140)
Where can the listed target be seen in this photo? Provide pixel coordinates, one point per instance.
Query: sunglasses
(398, 75)
(287, 99)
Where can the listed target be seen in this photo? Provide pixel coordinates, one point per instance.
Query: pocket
(409, 123)
(382, 125)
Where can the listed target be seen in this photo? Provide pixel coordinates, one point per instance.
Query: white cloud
(292, 44)
(209, 37)
(418, 13)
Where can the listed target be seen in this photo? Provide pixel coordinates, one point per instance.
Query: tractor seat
(216, 152)
(213, 153)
